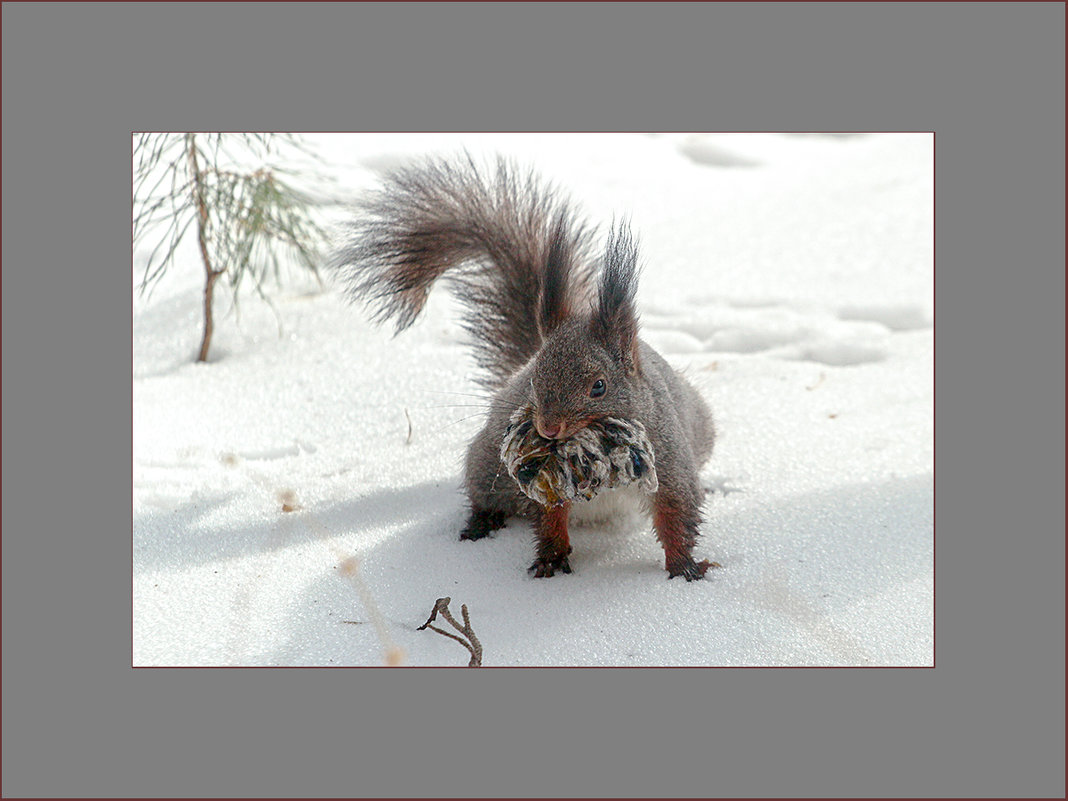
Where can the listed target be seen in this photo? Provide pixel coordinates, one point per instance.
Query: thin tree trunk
(209, 326)
(211, 274)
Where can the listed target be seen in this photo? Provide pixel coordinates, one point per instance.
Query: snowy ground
(791, 277)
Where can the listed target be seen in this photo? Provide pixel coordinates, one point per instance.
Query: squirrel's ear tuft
(554, 300)
(615, 319)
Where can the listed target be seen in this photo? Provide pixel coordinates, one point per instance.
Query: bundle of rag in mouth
(605, 454)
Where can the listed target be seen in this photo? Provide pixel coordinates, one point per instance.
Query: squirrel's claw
(546, 567)
(691, 570)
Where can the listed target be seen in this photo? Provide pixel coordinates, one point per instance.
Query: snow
(790, 277)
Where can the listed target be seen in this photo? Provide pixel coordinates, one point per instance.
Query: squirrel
(553, 327)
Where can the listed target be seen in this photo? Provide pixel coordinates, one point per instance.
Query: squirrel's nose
(548, 431)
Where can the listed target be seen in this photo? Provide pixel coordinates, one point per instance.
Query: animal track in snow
(666, 340)
(704, 151)
(842, 353)
(844, 337)
(296, 448)
(721, 485)
(900, 317)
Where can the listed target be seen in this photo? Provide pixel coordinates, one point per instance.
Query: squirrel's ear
(554, 299)
(615, 320)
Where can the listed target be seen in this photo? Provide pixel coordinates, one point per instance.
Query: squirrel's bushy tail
(516, 253)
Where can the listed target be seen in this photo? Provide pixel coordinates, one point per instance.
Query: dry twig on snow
(471, 643)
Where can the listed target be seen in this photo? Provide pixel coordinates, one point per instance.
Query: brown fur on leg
(677, 525)
(553, 544)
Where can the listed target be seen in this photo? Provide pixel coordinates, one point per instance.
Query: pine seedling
(248, 222)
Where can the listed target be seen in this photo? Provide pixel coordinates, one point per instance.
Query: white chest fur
(611, 503)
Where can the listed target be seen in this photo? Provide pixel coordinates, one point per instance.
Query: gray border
(987, 721)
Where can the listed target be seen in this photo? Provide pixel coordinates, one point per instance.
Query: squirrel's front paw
(545, 566)
(690, 570)
(481, 523)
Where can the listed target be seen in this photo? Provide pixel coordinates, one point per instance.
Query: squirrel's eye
(598, 389)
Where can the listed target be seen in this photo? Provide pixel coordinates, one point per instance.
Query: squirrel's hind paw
(691, 570)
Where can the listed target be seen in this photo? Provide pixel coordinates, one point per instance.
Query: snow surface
(789, 276)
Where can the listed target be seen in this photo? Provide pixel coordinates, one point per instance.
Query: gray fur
(515, 251)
